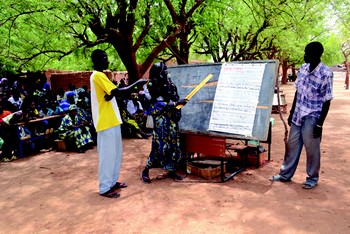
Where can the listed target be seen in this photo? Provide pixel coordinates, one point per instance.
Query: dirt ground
(57, 192)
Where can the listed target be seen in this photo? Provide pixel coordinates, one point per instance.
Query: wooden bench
(47, 135)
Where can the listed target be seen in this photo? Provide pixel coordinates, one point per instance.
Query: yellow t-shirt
(105, 114)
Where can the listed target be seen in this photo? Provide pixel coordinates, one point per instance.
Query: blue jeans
(302, 136)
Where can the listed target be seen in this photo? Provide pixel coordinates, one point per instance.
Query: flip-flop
(110, 194)
(119, 185)
(145, 179)
(174, 175)
(307, 185)
(278, 178)
(162, 176)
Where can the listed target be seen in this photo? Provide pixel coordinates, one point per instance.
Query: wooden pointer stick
(196, 89)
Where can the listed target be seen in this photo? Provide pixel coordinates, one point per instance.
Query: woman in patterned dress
(165, 152)
(72, 128)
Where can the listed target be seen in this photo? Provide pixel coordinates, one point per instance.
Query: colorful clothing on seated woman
(64, 105)
(58, 110)
(80, 135)
(130, 126)
(84, 116)
(50, 112)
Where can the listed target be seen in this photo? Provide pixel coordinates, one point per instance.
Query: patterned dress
(165, 151)
(81, 136)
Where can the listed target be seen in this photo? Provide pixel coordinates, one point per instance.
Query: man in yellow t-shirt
(107, 120)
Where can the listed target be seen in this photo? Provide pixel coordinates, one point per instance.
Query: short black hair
(315, 48)
(96, 55)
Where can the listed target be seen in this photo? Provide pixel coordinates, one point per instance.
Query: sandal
(162, 176)
(145, 178)
(308, 185)
(119, 185)
(110, 194)
(174, 175)
(278, 178)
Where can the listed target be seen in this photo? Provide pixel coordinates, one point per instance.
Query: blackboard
(196, 114)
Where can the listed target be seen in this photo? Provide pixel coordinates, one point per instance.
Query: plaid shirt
(313, 89)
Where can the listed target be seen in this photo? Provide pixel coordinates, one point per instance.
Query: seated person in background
(25, 132)
(122, 83)
(17, 85)
(47, 110)
(71, 97)
(4, 89)
(83, 114)
(143, 99)
(46, 85)
(38, 93)
(64, 105)
(136, 111)
(3, 113)
(60, 94)
(30, 112)
(133, 105)
(55, 106)
(130, 127)
(69, 100)
(87, 95)
(82, 97)
(85, 117)
(71, 89)
(8, 135)
(16, 100)
(75, 131)
(48, 96)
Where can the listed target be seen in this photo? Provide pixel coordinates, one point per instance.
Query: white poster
(236, 98)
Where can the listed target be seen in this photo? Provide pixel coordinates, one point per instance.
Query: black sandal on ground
(174, 175)
(119, 185)
(110, 194)
(145, 177)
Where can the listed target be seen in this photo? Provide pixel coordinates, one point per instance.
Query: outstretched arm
(124, 91)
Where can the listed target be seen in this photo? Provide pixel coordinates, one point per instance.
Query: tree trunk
(128, 57)
(294, 72)
(347, 67)
(284, 71)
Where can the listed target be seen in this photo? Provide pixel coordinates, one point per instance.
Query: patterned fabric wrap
(128, 119)
(81, 136)
(165, 152)
(84, 116)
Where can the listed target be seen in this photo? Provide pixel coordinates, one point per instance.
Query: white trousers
(110, 152)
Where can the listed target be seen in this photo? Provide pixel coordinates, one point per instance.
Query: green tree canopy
(62, 34)
(136, 31)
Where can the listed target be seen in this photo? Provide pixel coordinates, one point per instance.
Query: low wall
(61, 79)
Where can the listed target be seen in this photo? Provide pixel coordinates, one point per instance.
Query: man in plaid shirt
(309, 110)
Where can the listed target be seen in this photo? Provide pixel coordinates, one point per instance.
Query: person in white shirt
(16, 100)
(133, 105)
